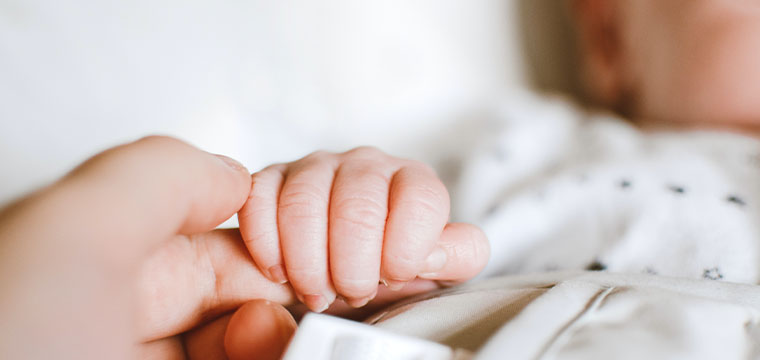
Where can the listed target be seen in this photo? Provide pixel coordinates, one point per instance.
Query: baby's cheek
(714, 74)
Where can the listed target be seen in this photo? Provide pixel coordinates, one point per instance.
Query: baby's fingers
(302, 222)
(358, 210)
(418, 212)
(461, 253)
(258, 222)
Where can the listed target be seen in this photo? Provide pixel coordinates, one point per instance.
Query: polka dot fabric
(577, 190)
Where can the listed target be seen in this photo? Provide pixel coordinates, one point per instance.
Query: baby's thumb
(460, 254)
(259, 330)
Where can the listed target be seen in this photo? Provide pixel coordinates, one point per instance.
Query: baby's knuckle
(425, 202)
(259, 237)
(266, 176)
(422, 167)
(302, 200)
(364, 213)
(161, 140)
(436, 193)
(365, 152)
(319, 156)
(161, 148)
(358, 223)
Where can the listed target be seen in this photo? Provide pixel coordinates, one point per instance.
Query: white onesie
(558, 188)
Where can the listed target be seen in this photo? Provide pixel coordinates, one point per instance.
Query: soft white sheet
(583, 315)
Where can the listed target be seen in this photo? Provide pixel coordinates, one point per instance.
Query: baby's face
(691, 62)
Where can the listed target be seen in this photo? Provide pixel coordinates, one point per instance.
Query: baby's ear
(598, 29)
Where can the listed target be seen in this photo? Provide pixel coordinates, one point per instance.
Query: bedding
(586, 315)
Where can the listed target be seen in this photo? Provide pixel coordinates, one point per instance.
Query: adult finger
(187, 189)
(460, 254)
(258, 222)
(358, 210)
(98, 223)
(418, 211)
(302, 223)
(191, 279)
(259, 330)
(125, 200)
(207, 341)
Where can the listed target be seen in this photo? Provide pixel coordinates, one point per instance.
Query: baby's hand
(342, 223)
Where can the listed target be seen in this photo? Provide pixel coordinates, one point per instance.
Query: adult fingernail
(435, 261)
(277, 274)
(316, 303)
(394, 285)
(234, 164)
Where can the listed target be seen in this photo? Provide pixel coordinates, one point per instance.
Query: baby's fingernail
(234, 164)
(394, 285)
(316, 303)
(434, 262)
(357, 303)
(277, 274)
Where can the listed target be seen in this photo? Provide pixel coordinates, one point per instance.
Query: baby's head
(693, 63)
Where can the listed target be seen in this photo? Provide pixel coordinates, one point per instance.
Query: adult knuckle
(144, 156)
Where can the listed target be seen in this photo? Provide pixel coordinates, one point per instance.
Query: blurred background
(265, 81)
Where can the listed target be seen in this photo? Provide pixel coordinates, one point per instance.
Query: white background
(261, 81)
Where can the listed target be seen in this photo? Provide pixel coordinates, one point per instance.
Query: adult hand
(119, 260)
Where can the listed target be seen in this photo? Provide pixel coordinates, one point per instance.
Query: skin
(120, 259)
(338, 224)
(675, 64)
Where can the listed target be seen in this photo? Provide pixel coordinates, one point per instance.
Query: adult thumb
(259, 329)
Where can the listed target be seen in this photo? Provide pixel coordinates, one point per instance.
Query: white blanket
(587, 315)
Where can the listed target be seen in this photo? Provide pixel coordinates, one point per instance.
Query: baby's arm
(338, 224)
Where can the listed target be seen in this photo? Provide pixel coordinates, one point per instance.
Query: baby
(674, 190)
